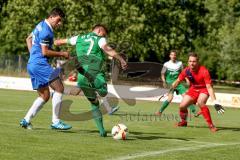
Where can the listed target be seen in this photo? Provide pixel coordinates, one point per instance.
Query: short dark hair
(174, 51)
(100, 26)
(56, 12)
(193, 54)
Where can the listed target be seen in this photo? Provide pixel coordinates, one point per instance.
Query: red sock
(207, 116)
(183, 114)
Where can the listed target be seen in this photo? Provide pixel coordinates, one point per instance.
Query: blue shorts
(41, 74)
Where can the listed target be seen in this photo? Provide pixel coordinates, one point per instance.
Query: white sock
(56, 106)
(36, 106)
(106, 104)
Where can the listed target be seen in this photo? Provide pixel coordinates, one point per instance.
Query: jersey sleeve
(181, 66)
(72, 40)
(44, 38)
(182, 75)
(164, 69)
(207, 77)
(102, 42)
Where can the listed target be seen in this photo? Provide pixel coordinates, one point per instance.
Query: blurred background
(143, 30)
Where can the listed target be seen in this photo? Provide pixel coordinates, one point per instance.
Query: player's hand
(65, 55)
(164, 85)
(123, 64)
(219, 108)
(57, 42)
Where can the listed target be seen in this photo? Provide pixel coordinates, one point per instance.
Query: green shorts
(180, 89)
(89, 88)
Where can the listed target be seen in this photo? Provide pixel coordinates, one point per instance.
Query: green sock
(97, 115)
(164, 106)
(192, 109)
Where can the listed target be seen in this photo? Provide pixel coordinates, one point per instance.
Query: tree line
(145, 30)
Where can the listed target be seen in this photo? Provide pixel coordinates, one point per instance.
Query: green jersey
(172, 70)
(89, 51)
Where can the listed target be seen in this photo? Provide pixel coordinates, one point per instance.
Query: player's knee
(93, 101)
(170, 98)
(182, 106)
(60, 89)
(45, 97)
(200, 104)
(102, 93)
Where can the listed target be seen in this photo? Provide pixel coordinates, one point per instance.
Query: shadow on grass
(154, 136)
(132, 135)
(219, 128)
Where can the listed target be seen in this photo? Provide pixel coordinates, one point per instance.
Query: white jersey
(172, 70)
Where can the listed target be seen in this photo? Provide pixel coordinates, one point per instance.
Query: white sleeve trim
(72, 40)
(44, 44)
(102, 42)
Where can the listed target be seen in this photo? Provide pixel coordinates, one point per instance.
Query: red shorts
(195, 92)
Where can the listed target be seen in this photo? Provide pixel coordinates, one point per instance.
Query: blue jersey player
(42, 75)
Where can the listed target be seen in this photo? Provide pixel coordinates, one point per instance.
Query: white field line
(12, 110)
(198, 142)
(160, 152)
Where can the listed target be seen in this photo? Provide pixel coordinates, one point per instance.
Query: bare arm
(211, 92)
(112, 53)
(217, 105)
(29, 42)
(72, 41)
(175, 83)
(163, 76)
(187, 81)
(60, 42)
(50, 53)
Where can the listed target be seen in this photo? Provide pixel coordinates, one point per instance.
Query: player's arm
(211, 92)
(180, 78)
(50, 53)
(176, 83)
(163, 72)
(60, 42)
(187, 80)
(72, 41)
(29, 42)
(217, 105)
(112, 53)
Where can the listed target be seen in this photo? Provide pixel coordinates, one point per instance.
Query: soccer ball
(120, 132)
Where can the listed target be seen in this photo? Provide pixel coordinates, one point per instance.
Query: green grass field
(149, 138)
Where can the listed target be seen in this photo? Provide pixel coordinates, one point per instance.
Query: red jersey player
(199, 91)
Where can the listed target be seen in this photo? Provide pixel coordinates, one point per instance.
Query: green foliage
(144, 30)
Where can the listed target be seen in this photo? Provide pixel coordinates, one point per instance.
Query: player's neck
(195, 69)
(173, 61)
(48, 21)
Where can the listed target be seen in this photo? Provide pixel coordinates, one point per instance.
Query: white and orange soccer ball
(120, 132)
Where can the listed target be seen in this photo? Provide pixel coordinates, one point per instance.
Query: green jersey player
(169, 74)
(91, 49)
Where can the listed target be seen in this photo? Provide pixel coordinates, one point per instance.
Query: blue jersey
(39, 69)
(41, 35)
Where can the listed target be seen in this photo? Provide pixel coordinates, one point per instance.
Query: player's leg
(39, 83)
(183, 109)
(97, 115)
(182, 90)
(43, 97)
(101, 87)
(199, 112)
(165, 104)
(58, 88)
(202, 100)
(91, 95)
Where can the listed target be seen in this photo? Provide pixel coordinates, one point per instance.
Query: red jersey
(198, 79)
